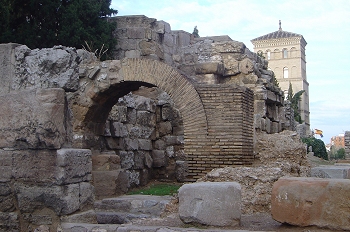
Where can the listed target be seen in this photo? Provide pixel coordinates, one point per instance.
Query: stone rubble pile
(277, 155)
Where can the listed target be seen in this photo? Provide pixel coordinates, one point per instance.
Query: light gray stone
(55, 67)
(330, 171)
(210, 203)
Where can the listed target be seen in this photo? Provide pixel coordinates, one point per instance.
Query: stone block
(118, 129)
(114, 143)
(133, 54)
(145, 144)
(312, 202)
(33, 119)
(164, 128)
(136, 33)
(159, 144)
(181, 170)
(130, 144)
(231, 65)
(260, 107)
(159, 158)
(332, 172)
(62, 200)
(105, 162)
(268, 125)
(74, 165)
(139, 158)
(209, 68)
(83, 217)
(145, 118)
(5, 165)
(9, 221)
(210, 203)
(148, 160)
(118, 114)
(168, 113)
(109, 183)
(274, 127)
(173, 140)
(131, 116)
(126, 159)
(145, 104)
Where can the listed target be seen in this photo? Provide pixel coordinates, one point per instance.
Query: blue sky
(325, 26)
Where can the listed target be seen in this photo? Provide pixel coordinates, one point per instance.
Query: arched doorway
(103, 90)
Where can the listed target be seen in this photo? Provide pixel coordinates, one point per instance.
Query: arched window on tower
(285, 72)
(268, 54)
(285, 53)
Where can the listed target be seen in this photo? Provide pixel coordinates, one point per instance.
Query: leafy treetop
(45, 23)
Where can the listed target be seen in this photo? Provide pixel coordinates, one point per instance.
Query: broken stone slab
(331, 171)
(308, 201)
(210, 203)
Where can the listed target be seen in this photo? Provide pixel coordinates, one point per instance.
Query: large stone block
(330, 171)
(210, 203)
(33, 119)
(74, 165)
(62, 200)
(64, 166)
(312, 202)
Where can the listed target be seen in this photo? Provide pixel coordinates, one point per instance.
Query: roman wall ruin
(167, 106)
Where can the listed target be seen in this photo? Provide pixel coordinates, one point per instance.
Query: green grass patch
(157, 189)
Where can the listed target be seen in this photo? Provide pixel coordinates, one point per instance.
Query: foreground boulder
(312, 202)
(214, 204)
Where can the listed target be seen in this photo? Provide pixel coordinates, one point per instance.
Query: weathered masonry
(168, 107)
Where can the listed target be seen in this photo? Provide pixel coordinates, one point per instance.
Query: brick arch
(183, 93)
(133, 74)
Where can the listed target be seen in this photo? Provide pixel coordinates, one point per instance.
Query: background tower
(285, 52)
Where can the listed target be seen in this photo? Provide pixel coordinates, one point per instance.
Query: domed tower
(285, 52)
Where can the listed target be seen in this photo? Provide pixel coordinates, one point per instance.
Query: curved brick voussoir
(312, 202)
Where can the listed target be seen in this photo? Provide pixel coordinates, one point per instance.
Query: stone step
(124, 209)
(78, 227)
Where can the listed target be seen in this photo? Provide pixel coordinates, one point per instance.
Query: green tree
(318, 147)
(45, 23)
(294, 100)
(340, 154)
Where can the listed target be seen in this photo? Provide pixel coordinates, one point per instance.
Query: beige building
(285, 52)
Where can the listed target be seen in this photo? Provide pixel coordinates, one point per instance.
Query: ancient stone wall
(55, 147)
